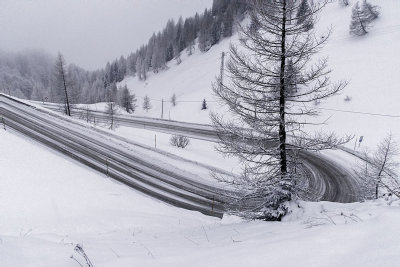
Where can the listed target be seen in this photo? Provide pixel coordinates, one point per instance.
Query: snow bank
(49, 203)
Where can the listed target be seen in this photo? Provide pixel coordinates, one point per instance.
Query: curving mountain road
(194, 130)
(327, 180)
(99, 152)
(105, 154)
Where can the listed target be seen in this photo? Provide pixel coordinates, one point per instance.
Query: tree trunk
(381, 170)
(282, 129)
(65, 90)
(361, 23)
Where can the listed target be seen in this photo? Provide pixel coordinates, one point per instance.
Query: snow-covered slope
(370, 63)
(48, 204)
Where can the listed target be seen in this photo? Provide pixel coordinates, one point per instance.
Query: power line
(328, 109)
(355, 112)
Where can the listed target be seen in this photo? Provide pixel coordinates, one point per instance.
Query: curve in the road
(328, 181)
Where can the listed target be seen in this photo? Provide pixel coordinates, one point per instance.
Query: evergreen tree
(146, 103)
(131, 63)
(122, 68)
(359, 21)
(302, 15)
(128, 100)
(140, 68)
(227, 22)
(205, 33)
(112, 92)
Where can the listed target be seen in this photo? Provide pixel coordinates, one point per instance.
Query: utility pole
(162, 108)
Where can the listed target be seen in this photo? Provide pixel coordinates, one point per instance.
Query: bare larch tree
(60, 79)
(273, 82)
(111, 110)
(380, 171)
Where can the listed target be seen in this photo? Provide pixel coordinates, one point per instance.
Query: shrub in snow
(179, 141)
(347, 98)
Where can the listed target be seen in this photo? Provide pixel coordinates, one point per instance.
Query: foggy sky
(88, 32)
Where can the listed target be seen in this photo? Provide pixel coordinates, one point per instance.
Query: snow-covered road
(132, 166)
(328, 180)
(155, 177)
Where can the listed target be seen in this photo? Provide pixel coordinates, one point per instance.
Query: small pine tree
(362, 17)
(146, 103)
(204, 104)
(128, 100)
(302, 15)
(359, 22)
(173, 100)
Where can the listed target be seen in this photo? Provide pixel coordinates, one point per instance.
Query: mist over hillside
(88, 33)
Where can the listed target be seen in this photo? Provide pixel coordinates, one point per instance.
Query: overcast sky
(88, 32)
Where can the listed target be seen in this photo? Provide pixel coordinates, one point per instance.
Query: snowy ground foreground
(49, 203)
(370, 63)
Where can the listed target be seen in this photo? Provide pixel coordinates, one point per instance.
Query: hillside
(368, 63)
(49, 204)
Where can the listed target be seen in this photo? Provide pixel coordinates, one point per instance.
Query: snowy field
(370, 63)
(48, 204)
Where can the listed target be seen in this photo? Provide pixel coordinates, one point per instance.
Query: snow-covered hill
(48, 204)
(370, 63)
